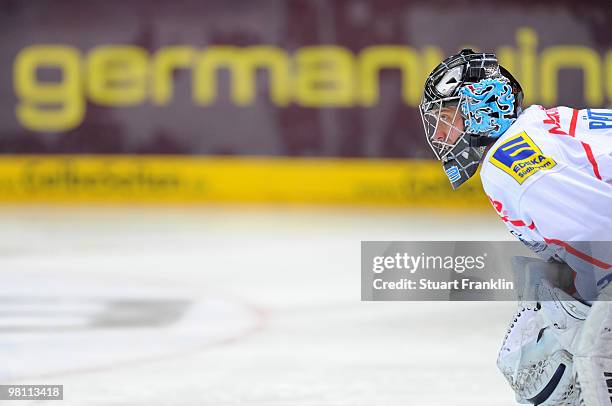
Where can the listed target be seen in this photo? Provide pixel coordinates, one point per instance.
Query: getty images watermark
(438, 270)
(422, 263)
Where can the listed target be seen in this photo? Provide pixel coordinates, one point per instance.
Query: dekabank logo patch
(520, 157)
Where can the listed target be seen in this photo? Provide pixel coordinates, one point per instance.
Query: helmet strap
(477, 141)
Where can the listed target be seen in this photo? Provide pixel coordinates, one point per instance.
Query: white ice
(275, 316)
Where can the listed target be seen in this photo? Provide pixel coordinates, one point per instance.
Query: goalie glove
(536, 356)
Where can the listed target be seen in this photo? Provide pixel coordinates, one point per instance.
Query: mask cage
(435, 119)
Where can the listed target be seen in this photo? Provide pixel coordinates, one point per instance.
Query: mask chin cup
(457, 175)
(462, 163)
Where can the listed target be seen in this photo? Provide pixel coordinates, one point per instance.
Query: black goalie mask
(468, 102)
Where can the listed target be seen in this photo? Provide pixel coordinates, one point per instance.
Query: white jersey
(549, 177)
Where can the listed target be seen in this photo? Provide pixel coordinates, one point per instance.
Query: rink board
(197, 179)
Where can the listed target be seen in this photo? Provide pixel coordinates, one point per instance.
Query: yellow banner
(182, 179)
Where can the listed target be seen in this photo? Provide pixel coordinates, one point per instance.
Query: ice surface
(233, 306)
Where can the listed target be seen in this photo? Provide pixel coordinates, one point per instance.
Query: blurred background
(184, 187)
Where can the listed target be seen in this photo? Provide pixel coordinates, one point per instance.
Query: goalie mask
(469, 101)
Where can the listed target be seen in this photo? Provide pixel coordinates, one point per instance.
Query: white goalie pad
(593, 353)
